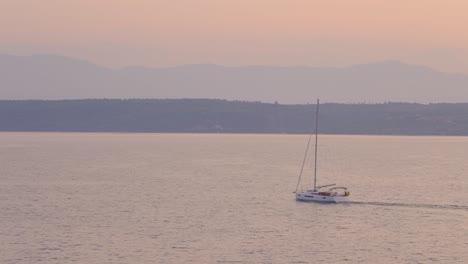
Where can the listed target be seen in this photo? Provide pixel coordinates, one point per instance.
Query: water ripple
(413, 205)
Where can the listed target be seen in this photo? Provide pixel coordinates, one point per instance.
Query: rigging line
(316, 145)
(303, 162)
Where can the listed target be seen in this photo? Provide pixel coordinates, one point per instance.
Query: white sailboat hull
(311, 196)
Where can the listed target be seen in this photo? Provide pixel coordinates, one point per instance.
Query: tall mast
(316, 141)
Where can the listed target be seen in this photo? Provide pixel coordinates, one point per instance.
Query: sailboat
(317, 194)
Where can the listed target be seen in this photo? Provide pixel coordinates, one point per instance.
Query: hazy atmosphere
(160, 33)
(233, 131)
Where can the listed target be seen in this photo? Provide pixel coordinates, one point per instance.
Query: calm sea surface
(209, 198)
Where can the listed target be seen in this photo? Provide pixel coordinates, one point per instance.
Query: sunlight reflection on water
(206, 198)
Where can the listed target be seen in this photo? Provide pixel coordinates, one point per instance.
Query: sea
(229, 198)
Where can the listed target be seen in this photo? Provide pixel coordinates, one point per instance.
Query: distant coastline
(223, 116)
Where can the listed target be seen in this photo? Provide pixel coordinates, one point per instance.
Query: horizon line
(228, 100)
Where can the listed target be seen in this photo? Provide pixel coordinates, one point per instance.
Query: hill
(54, 77)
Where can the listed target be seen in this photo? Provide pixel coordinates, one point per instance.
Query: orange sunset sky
(163, 33)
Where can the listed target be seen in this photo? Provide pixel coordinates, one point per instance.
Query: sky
(161, 33)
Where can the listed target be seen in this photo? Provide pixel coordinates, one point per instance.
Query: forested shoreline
(222, 116)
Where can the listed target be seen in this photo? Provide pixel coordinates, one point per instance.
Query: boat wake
(412, 205)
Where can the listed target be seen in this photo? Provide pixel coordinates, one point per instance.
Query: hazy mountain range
(57, 77)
